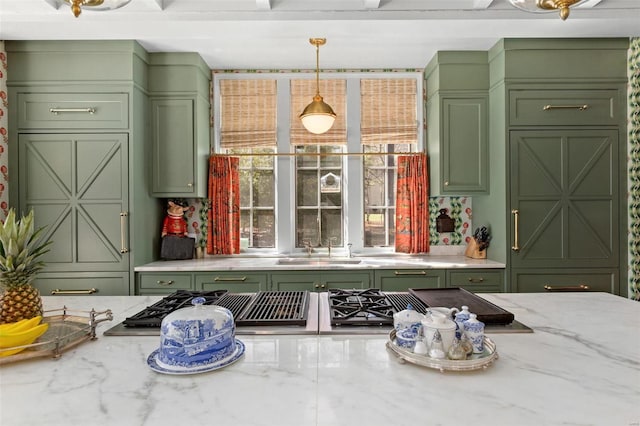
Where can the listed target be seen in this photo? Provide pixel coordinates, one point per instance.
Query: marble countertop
(246, 263)
(580, 366)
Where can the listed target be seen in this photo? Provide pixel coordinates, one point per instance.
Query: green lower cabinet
(82, 283)
(319, 280)
(404, 279)
(233, 281)
(554, 280)
(346, 279)
(164, 283)
(477, 280)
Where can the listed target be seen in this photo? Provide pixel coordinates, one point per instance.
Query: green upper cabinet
(457, 123)
(174, 170)
(180, 132)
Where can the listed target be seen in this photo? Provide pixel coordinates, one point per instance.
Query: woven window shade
(248, 113)
(334, 94)
(388, 111)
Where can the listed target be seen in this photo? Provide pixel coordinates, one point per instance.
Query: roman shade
(248, 113)
(388, 111)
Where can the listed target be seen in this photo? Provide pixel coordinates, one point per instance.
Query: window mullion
(353, 172)
(284, 173)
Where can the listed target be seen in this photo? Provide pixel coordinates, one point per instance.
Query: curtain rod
(317, 154)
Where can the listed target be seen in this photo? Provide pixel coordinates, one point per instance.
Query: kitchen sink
(318, 261)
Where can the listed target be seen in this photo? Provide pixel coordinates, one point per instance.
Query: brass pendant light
(318, 117)
(100, 5)
(547, 6)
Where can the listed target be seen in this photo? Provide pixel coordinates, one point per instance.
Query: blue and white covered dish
(196, 339)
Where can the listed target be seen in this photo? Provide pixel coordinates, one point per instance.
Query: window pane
(331, 221)
(307, 188)
(374, 228)
(307, 228)
(257, 196)
(319, 196)
(374, 188)
(264, 229)
(263, 185)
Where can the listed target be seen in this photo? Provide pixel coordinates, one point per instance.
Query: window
(302, 189)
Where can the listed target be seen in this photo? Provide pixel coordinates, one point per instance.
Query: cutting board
(456, 297)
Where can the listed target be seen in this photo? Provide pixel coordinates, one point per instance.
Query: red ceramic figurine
(174, 222)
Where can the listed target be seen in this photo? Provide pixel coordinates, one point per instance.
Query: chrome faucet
(331, 240)
(307, 247)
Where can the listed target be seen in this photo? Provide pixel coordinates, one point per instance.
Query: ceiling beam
(263, 4)
(481, 4)
(371, 4)
(53, 3)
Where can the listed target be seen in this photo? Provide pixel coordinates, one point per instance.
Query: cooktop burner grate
(359, 307)
(277, 308)
(401, 300)
(236, 303)
(153, 315)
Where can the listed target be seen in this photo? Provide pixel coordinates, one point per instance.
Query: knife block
(473, 252)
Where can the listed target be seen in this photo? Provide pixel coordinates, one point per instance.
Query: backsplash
(458, 208)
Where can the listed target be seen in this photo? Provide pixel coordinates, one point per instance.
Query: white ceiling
(273, 34)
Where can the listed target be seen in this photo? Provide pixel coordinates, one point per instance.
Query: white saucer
(236, 355)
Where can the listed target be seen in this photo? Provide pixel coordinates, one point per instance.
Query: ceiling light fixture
(317, 117)
(547, 6)
(101, 5)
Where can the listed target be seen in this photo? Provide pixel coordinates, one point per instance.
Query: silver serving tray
(476, 362)
(66, 329)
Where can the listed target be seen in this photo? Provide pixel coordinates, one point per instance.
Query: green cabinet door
(345, 279)
(477, 280)
(564, 198)
(163, 282)
(172, 132)
(404, 279)
(465, 135)
(233, 281)
(297, 281)
(77, 184)
(320, 280)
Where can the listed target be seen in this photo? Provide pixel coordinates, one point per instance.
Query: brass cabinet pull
(230, 279)
(317, 286)
(160, 282)
(123, 229)
(87, 291)
(56, 111)
(190, 184)
(476, 280)
(578, 107)
(410, 272)
(581, 287)
(516, 216)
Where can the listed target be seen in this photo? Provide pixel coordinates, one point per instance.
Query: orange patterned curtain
(412, 205)
(224, 214)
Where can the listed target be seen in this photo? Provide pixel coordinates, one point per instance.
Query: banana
(22, 338)
(21, 325)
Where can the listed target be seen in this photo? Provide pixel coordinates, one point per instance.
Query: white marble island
(580, 366)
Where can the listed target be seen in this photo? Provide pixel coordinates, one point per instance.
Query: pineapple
(20, 247)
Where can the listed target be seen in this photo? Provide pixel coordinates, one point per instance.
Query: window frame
(284, 165)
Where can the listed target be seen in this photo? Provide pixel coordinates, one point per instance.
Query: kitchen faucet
(331, 240)
(308, 247)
